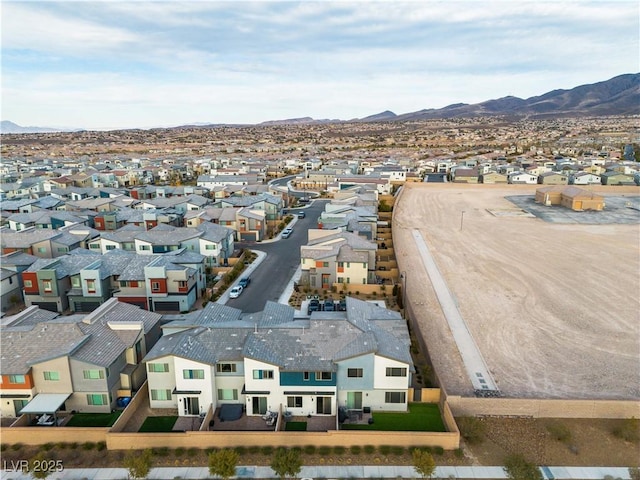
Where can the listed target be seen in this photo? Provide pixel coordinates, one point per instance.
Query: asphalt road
(269, 280)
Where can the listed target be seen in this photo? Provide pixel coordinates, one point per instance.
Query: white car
(286, 232)
(235, 291)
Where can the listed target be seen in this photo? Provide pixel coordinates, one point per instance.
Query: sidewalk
(329, 472)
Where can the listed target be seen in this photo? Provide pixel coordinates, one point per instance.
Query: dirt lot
(553, 307)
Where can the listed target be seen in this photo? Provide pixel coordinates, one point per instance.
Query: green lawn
(296, 426)
(158, 424)
(421, 417)
(93, 419)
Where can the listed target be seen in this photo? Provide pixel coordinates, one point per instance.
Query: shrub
(192, 452)
(16, 446)
(384, 449)
(48, 446)
(397, 450)
(309, 449)
(628, 430)
(356, 449)
(241, 451)
(253, 449)
(266, 450)
(339, 450)
(73, 445)
(369, 449)
(160, 451)
(559, 431)
(88, 446)
(438, 450)
(100, 446)
(324, 450)
(634, 473)
(178, 452)
(472, 429)
(459, 453)
(3, 447)
(518, 468)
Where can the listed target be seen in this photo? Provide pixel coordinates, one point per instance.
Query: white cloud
(100, 64)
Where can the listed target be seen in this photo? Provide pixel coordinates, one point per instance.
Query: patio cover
(45, 403)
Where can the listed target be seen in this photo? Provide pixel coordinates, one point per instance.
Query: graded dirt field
(553, 307)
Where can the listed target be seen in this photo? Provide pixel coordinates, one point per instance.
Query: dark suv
(244, 282)
(329, 306)
(314, 306)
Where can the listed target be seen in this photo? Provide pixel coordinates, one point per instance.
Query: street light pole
(461, 219)
(403, 277)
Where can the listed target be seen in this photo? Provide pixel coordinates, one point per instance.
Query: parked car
(329, 306)
(287, 232)
(235, 291)
(342, 306)
(301, 215)
(244, 282)
(314, 306)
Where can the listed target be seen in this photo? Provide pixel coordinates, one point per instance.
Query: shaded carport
(45, 404)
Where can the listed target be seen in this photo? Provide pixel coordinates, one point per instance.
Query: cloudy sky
(139, 64)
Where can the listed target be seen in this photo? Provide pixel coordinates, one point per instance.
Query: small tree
(286, 462)
(634, 473)
(518, 468)
(39, 465)
(223, 463)
(423, 462)
(138, 464)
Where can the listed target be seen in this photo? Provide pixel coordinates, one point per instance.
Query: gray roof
(26, 237)
(167, 235)
(273, 336)
(17, 259)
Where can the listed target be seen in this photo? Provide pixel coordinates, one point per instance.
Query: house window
(306, 375)
(75, 281)
(209, 247)
(97, 399)
(324, 376)
(123, 283)
(94, 246)
(62, 249)
(354, 372)
(294, 402)
(193, 374)
(158, 367)
(161, 395)
(396, 372)
(340, 264)
(262, 374)
(145, 247)
(227, 394)
(110, 247)
(133, 284)
(28, 284)
(46, 285)
(91, 286)
(42, 249)
(155, 286)
(226, 367)
(325, 264)
(182, 284)
(93, 374)
(52, 376)
(16, 378)
(394, 397)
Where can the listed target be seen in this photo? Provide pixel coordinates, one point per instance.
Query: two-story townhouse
(268, 361)
(336, 257)
(362, 220)
(121, 239)
(12, 287)
(171, 285)
(617, 178)
(216, 243)
(76, 363)
(166, 238)
(271, 204)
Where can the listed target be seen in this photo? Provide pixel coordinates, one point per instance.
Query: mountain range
(617, 96)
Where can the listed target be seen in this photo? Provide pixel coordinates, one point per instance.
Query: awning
(45, 403)
(186, 392)
(254, 392)
(14, 395)
(307, 392)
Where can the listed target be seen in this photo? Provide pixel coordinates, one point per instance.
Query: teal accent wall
(296, 379)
